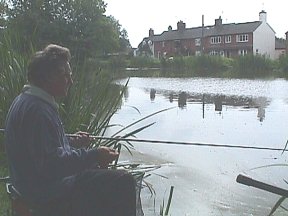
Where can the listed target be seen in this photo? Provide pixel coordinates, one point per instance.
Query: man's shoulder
(33, 101)
(25, 103)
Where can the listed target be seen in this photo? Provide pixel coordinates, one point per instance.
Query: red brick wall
(170, 46)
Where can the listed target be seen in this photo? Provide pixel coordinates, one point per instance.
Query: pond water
(209, 110)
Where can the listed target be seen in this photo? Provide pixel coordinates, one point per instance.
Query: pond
(209, 111)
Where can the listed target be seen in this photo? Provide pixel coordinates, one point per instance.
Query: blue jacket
(42, 163)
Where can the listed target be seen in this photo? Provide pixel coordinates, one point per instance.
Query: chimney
(151, 32)
(263, 16)
(181, 25)
(218, 22)
(169, 28)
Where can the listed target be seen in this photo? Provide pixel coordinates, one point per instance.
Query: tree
(3, 11)
(124, 45)
(78, 24)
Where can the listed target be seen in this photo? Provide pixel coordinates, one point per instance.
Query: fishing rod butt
(242, 179)
(246, 180)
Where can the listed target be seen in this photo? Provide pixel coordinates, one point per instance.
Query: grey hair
(47, 63)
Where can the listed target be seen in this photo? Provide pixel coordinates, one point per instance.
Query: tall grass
(283, 65)
(190, 66)
(12, 77)
(252, 66)
(91, 103)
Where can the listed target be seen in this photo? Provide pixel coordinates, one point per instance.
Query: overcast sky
(138, 16)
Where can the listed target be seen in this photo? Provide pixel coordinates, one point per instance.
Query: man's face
(61, 81)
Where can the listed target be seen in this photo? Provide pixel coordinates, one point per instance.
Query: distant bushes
(143, 62)
(252, 66)
(195, 66)
(283, 65)
(249, 66)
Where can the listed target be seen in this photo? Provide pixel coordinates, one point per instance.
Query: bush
(252, 66)
(283, 64)
(143, 62)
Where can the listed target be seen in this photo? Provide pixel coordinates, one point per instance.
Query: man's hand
(106, 156)
(81, 139)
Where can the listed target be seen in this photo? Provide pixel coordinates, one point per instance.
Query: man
(44, 167)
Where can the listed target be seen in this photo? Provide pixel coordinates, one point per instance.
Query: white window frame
(242, 38)
(213, 53)
(197, 41)
(197, 53)
(215, 40)
(242, 52)
(228, 39)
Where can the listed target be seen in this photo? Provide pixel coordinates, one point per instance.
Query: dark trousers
(98, 192)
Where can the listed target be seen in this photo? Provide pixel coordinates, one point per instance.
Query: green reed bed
(89, 106)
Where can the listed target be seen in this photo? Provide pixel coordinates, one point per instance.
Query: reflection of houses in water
(182, 99)
(218, 103)
(152, 94)
(261, 114)
(171, 97)
(259, 103)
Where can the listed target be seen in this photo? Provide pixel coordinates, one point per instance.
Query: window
(197, 41)
(163, 44)
(242, 38)
(177, 43)
(198, 53)
(242, 52)
(228, 39)
(216, 52)
(215, 40)
(213, 53)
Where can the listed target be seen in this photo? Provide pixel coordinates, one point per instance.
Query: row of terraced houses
(229, 40)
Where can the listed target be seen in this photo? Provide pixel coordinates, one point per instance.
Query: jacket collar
(38, 92)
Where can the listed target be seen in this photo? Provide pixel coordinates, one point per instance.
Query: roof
(224, 29)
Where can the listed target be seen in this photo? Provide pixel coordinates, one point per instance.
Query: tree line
(80, 25)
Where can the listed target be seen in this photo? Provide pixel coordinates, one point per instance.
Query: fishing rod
(179, 143)
(246, 180)
(168, 142)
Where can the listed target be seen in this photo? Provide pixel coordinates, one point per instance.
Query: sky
(138, 16)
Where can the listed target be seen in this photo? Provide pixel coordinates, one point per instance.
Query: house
(229, 40)
(280, 47)
(286, 42)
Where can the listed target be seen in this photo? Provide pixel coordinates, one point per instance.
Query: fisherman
(45, 168)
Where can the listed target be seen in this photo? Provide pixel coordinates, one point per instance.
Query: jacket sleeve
(50, 150)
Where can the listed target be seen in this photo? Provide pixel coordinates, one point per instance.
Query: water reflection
(182, 100)
(152, 94)
(219, 101)
(222, 111)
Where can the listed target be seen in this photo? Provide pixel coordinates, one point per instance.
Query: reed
(12, 76)
(89, 106)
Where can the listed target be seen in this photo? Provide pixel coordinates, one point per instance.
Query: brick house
(286, 42)
(280, 47)
(229, 40)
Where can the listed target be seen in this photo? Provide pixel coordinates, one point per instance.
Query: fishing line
(180, 143)
(167, 142)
